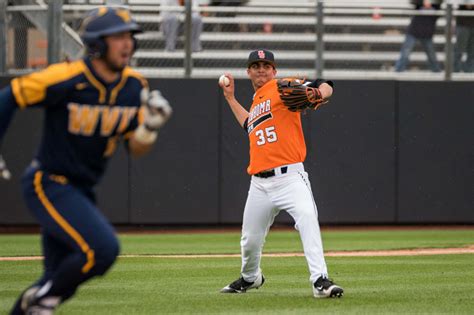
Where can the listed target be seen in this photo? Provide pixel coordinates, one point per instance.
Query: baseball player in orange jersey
(279, 181)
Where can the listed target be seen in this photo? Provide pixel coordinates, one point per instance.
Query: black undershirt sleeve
(316, 83)
(246, 124)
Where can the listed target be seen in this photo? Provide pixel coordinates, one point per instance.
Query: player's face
(119, 50)
(260, 73)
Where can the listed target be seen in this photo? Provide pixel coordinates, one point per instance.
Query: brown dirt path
(369, 253)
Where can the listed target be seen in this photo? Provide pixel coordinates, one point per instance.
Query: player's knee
(308, 215)
(105, 256)
(104, 262)
(252, 242)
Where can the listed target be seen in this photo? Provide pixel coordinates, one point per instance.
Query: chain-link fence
(203, 38)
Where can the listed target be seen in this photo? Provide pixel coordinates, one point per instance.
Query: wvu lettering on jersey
(84, 119)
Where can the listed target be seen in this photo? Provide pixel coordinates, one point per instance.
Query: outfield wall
(380, 152)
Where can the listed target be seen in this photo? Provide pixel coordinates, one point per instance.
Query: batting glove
(4, 172)
(157, 111)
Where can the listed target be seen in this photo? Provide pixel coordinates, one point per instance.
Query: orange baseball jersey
(275, 133)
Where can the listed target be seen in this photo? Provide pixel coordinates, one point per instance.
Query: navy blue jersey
(84, 116)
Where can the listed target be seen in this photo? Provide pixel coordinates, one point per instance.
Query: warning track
(369, 253)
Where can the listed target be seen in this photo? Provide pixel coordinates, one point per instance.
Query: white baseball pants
(267, 197)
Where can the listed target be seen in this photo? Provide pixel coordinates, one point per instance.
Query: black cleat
(323, 288)
(241, 286)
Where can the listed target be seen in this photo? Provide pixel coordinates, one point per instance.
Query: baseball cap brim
(263, 60)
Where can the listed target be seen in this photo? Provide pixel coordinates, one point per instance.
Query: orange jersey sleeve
(275, 134)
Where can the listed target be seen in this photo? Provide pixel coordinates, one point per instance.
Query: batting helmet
(103, 22)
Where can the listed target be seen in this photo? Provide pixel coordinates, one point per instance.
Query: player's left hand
(157, 109)
(298, 97)
(4, 172)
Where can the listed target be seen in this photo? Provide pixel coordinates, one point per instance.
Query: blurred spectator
(464, 38)
(228, 3)
(421, 28)
(170, 25)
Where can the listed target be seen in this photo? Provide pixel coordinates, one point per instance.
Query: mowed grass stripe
(373, 285)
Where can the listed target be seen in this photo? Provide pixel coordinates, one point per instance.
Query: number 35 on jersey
(267, 135)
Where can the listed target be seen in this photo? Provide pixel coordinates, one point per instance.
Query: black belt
(266, 174)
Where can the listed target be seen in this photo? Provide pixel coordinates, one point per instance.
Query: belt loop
(284, 169)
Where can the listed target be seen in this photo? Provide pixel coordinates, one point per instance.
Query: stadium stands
(358, 37)
(361, 38)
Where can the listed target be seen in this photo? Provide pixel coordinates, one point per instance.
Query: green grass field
(436, 284)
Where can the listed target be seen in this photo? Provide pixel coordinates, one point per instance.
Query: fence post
(448, 47)
(188, 62)
(3, 36)
(319, 40)
(55, 19)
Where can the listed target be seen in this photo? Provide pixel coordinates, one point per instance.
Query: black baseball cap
(261, 55)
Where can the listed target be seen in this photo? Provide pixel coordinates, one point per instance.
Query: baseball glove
(297, 96)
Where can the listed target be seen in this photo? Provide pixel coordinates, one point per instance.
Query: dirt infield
(369, 253)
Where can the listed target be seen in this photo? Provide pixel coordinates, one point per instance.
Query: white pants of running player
(267, 197)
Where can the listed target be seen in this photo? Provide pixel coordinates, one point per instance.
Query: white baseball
(223, 80)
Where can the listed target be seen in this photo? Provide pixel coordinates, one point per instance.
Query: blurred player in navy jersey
(89, 104)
